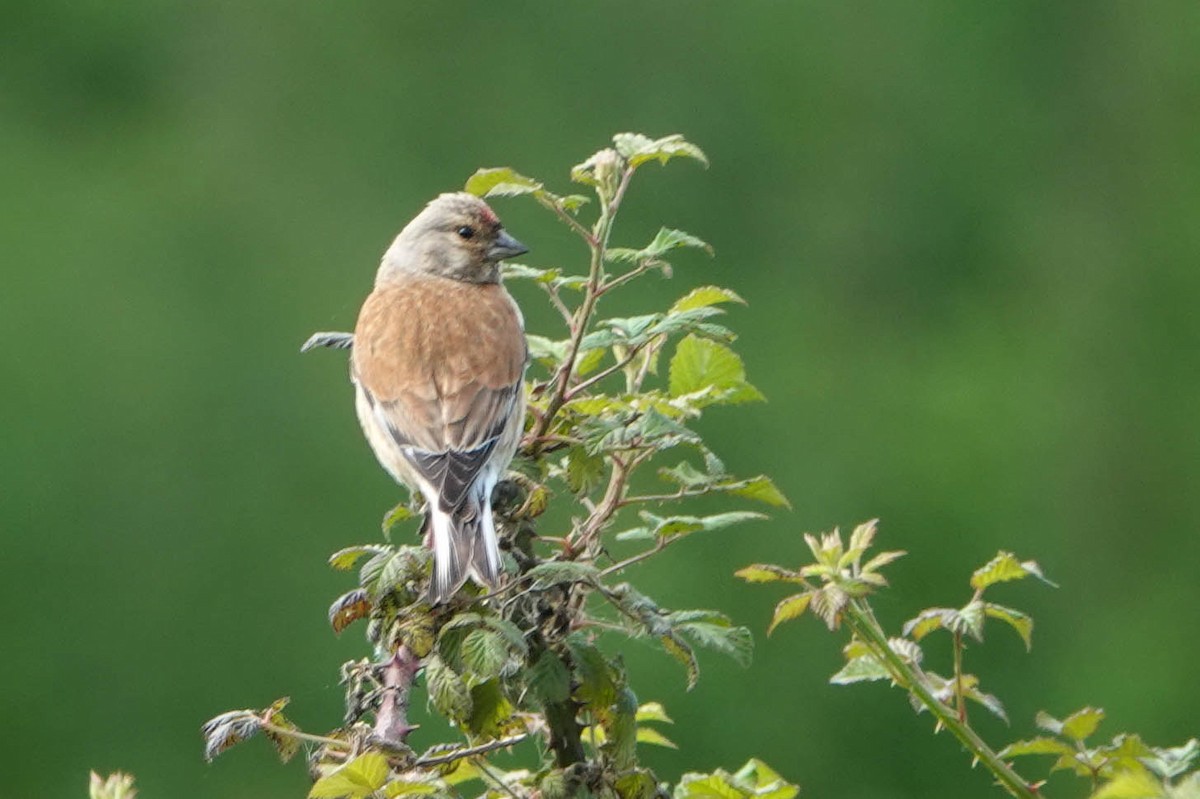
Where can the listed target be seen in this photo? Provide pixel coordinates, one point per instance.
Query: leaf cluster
(612, 402)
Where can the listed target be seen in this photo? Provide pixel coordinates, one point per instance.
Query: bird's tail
(464, 545)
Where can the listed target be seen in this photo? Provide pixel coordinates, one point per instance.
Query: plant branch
(391, 720)
(862, 622)
(598, 243)
(288, 732)
(596, 378)
(459, 754)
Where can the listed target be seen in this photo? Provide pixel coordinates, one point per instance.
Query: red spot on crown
(488, 216)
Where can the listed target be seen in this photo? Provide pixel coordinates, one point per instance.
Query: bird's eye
(466, 231)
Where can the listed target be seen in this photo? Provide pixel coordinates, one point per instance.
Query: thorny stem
(862, 622)
(960, 699)
(597, 241)
(391, 721)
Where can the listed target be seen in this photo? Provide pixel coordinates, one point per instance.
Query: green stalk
(862, 623)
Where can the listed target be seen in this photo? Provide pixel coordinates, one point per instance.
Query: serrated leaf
(584, 471)
(704, 296)
(972, 617)
(653, 711)
(228, 729)
(552, 573)
(510, 632)
(649, 735)
(361, 777)
(484, 654)
(1082, 723)
(392, 568)
(736, 642)
(447, 690)
(489, 710)
(1131, 784)
(549, 678)
(860, 669)
(1019, 621)
(500, 182)
(760, 489)
(286, 746)
(678, 649)
(672, 526)
(620, 728)
(827, 602)
(349, 607)
(882, 559)
(709, 371)
(1005, 567)
(1038, 746)
(401, 512)
(637, 149)
(597, 686)
(415, 784)
(766, 573)
(1046, 722)
(344, 559)
(789, 608)
(718, 785)
(989, 701)
(929, 620)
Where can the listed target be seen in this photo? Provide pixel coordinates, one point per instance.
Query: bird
(438, 361)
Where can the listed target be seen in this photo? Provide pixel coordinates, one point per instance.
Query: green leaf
(705, 296)
(767, 573)
(1005, 567)
(649, 735)
(653, 711)
(672, 526)
(736, 642)
(415, 784)
(1038, 746)
(678, 649)
(620, 727)
(1131, 784)
(285, 745)
(637, 149)
(718, 785)
(1167, 762)
(500, 182)
(392, 569)
(1047, 722)
(484, 654)
(761, 489)
(1082, 723)
(447, 690)
(597, 682)
(344, 559)
(1019, 621)
(549, 678)
(764, 781)
(972, 617)
(361, 777)
(555, 572)
(860, 669)
(402, 512)
(489, 710)
(584, 471)
(827, 602)
(710, 372)
(929, 620)
(789, 608)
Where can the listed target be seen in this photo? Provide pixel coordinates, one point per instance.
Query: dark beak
(506, 247)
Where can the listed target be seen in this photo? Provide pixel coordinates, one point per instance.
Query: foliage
(534, 662)
(836, 588)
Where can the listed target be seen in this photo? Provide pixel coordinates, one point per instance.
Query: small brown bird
(438, 364)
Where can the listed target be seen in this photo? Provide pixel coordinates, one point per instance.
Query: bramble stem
(862, 622)
(391, 721)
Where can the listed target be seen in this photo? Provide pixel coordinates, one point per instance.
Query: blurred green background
(968, 233)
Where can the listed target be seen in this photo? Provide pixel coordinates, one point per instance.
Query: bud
(117, 786)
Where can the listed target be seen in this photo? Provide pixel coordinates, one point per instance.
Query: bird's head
(457, 236)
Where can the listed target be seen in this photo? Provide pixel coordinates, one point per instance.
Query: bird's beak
(506, 247)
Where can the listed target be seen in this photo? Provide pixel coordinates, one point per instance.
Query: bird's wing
(440, 363)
